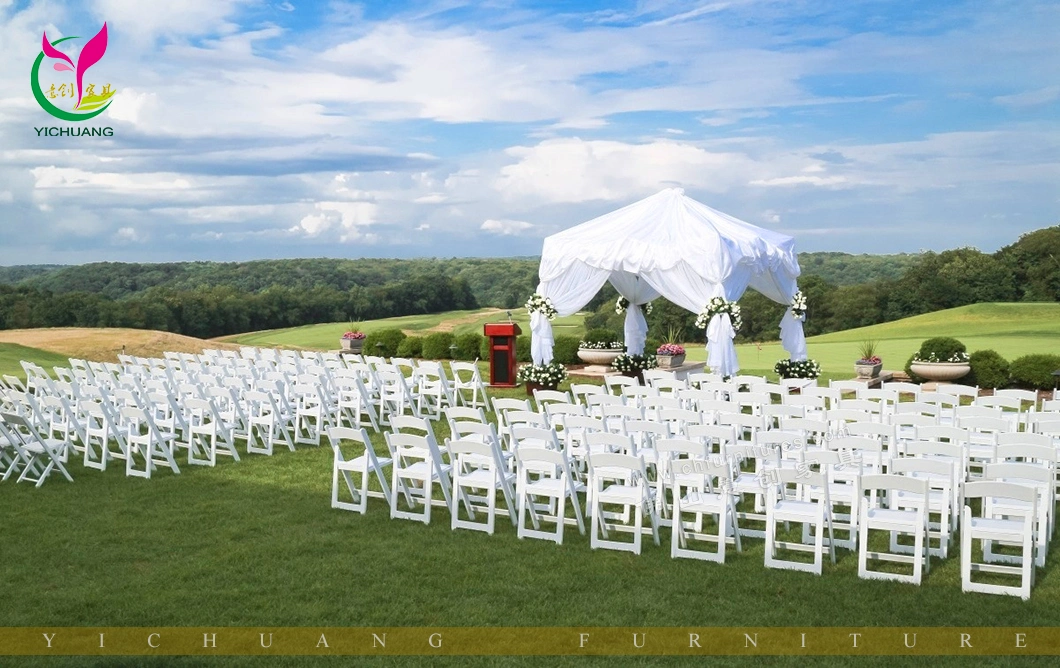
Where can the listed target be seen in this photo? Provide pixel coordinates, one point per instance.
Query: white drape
(636, 292)
(792, 336)
(569, 291)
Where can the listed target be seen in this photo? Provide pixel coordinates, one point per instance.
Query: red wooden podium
(502, 352)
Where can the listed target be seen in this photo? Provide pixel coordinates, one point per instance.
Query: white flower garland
(720, 305)
(540, 304)
(622, 304)
(798, 306)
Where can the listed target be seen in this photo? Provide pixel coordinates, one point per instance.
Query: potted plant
(600, 346)
(353, 340)
(671, 354)
(634, 366)
(541, 376)
(870, 364)
(941, 359)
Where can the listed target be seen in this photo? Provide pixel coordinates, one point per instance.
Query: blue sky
(247, 129)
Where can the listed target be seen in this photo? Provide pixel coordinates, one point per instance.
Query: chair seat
(887, 518)
(790, 509)
(628, 494)
(482, 478)
(703, 502)
(361, 463)
(996, 527)
(420, 470)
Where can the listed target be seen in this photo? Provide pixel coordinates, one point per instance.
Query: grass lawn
(12, 353)
(256, 543)
(1010, 329)
(326, 336)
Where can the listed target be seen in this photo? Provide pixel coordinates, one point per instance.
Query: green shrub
(522, 348)
(436, 346)
(601, 336)
(1035, 371)
(468, 346)
(565, 351)
(484, 349)
(943, 348)
(389, 339)
(989, 369)
(410, 346)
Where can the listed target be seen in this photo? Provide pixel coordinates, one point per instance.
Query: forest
(207, 299)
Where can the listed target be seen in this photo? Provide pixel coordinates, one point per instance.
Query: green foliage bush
(989, 369)
(601, 335)
(522, 348)
(436, 346)
(410, 346)
(942, 347)
(1035, 371)
(389, 338)
(468, 347)
(565, 351)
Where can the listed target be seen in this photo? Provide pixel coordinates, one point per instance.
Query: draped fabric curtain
(637, 292)
(569, 291)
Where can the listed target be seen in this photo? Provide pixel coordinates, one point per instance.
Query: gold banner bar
(528, 641)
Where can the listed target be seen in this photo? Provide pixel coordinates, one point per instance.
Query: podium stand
(502, 352)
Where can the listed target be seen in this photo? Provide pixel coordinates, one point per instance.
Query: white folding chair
(546, 475)
(619, 480)
(1029, 475)
(206, 434)
(478, 475)
(879, 511)
(148, 446)
(801, 506)
(701, 487)
(36, 454)
(365, 465)
(267, 422)
(467, 379)
(417, 466)
(1016, 527)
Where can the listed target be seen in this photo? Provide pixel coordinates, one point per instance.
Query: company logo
(88, 99)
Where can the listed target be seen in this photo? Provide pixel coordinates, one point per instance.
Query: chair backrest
(711, 434)
(614, 383)
(898, 483)
(539, 437)
(544, 397)
(580, 390)
(484, 431)
(1044, 454)
(602, 439)
(672, 450)
(484, 452)
(985, 425)
(993, 489)
(610, 460)
(530, 418)
(1042, 477)
(464, 414)
(959, 390)
(965, 412)
(917, 408)
(942, 433)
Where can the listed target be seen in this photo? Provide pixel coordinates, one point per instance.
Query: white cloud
(127, 235)
(1030, 98)
(142, 21)
(506, 227)
(6, 197)
(800, 181)
(285, 7)
(343, 218)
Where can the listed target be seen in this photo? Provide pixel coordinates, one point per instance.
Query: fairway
(11, 354)
(326, 336)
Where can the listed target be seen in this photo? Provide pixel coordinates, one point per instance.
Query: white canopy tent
(672, 246)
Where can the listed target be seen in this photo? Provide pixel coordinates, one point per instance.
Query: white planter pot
(601, 357)
(941, 371)
(669, 361)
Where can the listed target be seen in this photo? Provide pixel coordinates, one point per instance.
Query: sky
(246, 129)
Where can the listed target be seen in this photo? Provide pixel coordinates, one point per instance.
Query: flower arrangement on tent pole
(798, 306)
(622, 304)
(541, 304)
(720, 305)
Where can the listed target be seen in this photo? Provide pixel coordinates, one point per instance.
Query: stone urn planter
(352, 345)
(669, 361)
(941, 372)
(868, 370)
(603, 357)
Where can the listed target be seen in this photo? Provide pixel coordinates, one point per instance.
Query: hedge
(389, 339)
(436, 346)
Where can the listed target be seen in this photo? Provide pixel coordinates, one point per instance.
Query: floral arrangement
(634, 363)
(601, 345)
(670, 349)
(957, 358)
(798, 306)
(548, 375)
(874, 360)
(720, 305)
(622, 304)
(540, 304)
(803, 369)
(353, 335)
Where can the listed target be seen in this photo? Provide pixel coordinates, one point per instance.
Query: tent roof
(664, 230)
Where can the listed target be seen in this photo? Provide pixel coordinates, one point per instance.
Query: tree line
(1027, 270)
